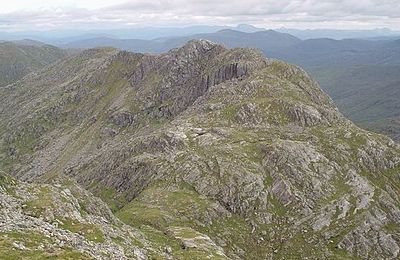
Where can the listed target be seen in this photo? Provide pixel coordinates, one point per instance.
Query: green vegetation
(109, 195)
(38, 206)
(30, 245)
(164, 204)
(89, 231)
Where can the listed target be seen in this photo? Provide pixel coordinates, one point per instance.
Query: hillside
(204, 152)
(19, 58)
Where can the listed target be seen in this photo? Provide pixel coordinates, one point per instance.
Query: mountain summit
(201, 152)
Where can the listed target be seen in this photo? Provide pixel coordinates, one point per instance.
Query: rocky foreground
(202, 152)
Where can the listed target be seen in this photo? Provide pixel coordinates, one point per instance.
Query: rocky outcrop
(122, 119)
(64, 221)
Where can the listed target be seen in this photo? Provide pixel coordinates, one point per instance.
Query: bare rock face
(212, 153)
(122, 118)
(306, 116)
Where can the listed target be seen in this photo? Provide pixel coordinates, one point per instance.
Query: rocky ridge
(234, 155)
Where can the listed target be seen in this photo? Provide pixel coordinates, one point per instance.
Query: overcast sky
(108, 14)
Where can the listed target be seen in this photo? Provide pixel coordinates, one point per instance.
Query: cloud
(268, 13)
(338, 8)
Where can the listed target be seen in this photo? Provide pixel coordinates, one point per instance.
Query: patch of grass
(268, 181)
(7, 183)
(229, 112)
(161, 205)
(392, 227)
(38, 206)
(110, 196)
(37, 247)
(341, 188)
(136, 214)
(276, 206)
(89, 231)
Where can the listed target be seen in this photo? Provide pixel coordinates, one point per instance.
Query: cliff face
(222, 152)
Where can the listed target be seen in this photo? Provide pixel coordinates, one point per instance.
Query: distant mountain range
(342, 34)
(268, 41)
(62, 37)
(59, 37)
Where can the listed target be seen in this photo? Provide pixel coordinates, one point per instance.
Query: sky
(20, 15)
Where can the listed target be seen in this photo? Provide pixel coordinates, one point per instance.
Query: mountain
(268, 41)
(201, 152)
(19, 58)
(351, 71)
